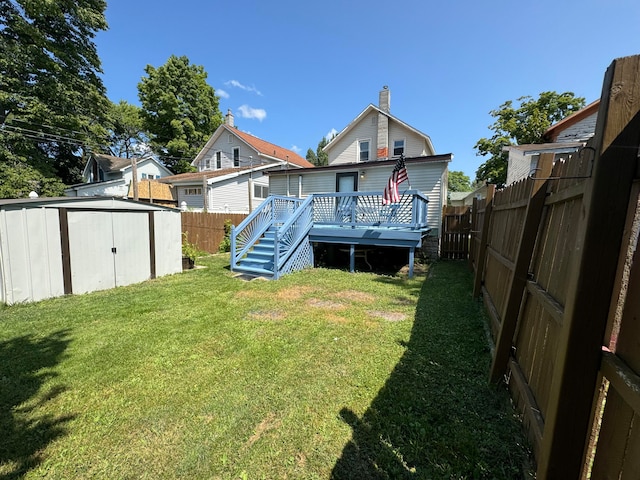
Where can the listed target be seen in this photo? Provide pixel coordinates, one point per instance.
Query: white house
(109, 176)
(231, 171)
(562, 139)
(362, 157)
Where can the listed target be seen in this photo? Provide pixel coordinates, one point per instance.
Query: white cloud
(296, 149)
(237, 84)
(249, 112)
(331, 134)
(221, 93)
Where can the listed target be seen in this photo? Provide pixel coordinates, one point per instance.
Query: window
(229, 138)
(144, 176)
(364, 150)
(398, 148)
(207, 163)
(260, 191)
(193, 191)
(218, 160)
(236, 157)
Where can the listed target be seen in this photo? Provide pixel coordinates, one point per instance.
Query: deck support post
(412, 256)
(352, 258)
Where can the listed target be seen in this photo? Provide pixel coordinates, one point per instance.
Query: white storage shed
(56, 246)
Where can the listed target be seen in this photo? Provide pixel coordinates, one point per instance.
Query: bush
(225, 245)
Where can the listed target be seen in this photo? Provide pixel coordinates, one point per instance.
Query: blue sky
(294, 71)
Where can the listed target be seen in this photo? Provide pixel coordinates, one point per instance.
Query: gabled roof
(554, 130)
(265, 149)
(364, 113)
(109, 163)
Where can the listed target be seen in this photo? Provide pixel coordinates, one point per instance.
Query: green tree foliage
(52, 101)
(459, 182)
(126, 130)
(319, 157)
(521, 124)
(180, 111)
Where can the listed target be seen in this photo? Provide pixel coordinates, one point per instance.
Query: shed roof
(88, 203)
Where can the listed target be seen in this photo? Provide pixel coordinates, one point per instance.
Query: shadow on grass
(25, 365)
(437, 416)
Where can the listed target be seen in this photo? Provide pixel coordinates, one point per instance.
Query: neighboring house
(563, 138)
(362, 157)
(460, 199)
(109, 176)
(231, 171)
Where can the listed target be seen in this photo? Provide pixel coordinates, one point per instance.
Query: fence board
(456, 225)
(206, 230)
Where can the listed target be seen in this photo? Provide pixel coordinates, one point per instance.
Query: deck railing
(290, 236)
(272, 211)
(365, 209)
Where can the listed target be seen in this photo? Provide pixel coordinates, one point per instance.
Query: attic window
(229, 138)
(236, 157)
(218, 160)
(363, 147)
(398, 147)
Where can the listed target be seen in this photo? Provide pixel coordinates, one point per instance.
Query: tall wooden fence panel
(456, 226)
(206, 230)
(560, 276)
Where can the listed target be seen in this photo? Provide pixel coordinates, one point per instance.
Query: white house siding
(582, 130)
(232, 195)
(30, 255)
(222, 145)
(114, 188)
(346, 148)
(192, 201)
(519, 166)
(414, 145)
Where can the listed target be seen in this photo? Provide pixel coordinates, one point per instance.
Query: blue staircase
(259, 260)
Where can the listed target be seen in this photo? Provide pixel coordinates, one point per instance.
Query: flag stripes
(398, 175)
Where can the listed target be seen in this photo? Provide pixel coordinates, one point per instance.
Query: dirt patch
(330, 317)
(388, 316)
(270, 422)
(419, 269)
(293, 293)
(315, 302)
(356, 296)
(267, 315)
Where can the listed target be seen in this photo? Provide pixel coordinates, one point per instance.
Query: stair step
(254, 271)
(260, 254)
(266, 264)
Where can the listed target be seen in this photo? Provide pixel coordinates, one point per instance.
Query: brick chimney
(382, 152)
(228, 118)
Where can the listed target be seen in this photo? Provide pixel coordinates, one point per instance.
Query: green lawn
(321, 374)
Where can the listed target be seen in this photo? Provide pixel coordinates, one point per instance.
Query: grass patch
(321, 374)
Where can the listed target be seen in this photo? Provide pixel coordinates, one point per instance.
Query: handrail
(291, 233)
(271, 210)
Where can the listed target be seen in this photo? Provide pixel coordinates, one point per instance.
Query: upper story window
(398, 148)
(218, 160)
(236, 157)
(363, 147)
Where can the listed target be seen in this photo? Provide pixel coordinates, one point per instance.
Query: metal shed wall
(50, 248)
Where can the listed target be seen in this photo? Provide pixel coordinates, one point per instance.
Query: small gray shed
(56, 246)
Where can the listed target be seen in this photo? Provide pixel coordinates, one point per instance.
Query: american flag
(398, 176)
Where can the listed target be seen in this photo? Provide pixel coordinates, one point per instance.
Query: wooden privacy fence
(456, 225)
(555, 261)
(206, 230)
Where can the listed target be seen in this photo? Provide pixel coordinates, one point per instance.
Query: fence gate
(456, 227)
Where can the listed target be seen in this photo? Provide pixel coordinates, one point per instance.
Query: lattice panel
(301, 258)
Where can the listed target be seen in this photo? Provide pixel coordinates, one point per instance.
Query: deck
(277, 238)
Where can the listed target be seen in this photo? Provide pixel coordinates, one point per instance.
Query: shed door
(108, 249)
(90, 243)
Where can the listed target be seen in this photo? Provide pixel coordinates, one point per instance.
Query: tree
(519, 125)
(319, 157)
(52, 101)
(459, 182)
(126, 130)
(180, 111)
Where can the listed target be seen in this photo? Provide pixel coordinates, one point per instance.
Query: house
(55, 246)
(562, 139)
(231, 171)
(109, 176)
(362, 157)
(460, 199)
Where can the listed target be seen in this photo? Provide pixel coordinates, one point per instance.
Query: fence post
(531, 224)
(592, 273)
(482, 249)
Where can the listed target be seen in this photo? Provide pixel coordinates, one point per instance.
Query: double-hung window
(236, 156)
(398, 148)
(218, 160)
(363, 148)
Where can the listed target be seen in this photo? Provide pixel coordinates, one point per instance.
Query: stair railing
(275, 209)
(291, 234)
